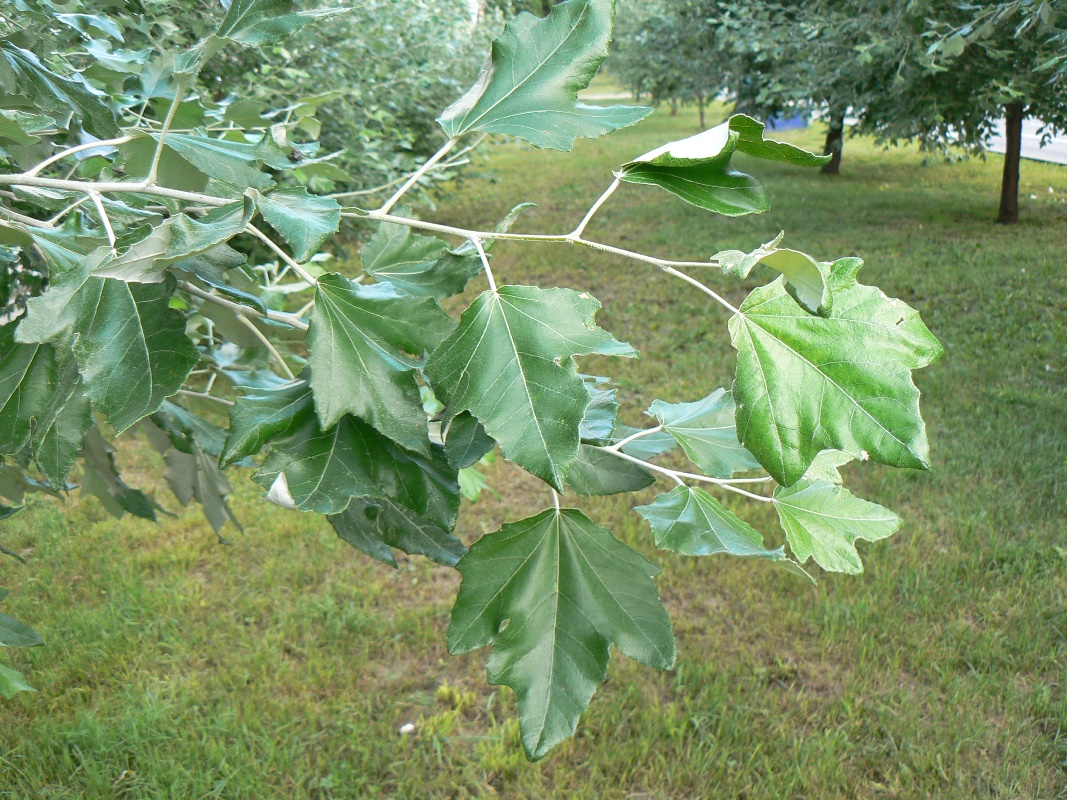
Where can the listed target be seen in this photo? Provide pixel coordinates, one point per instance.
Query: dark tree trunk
(835, 140)
(546, 7)
(700, 108)
(674, 108)
(1009, 186)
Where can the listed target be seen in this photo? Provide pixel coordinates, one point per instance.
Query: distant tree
(933, 71)
(989, 59)
(669, 52)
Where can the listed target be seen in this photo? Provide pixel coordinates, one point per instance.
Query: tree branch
(418, 174)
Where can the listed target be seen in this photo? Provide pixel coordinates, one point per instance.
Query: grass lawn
(282, 666)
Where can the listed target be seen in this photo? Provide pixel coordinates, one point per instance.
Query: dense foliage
(941, 73)
(130, 201)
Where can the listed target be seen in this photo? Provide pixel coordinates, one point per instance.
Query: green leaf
(21, 72)
(15, 484)
(43, 404)
(92, 24)
(263, 414)
(101, 478)
(317, 470)
(130, 344)
(173, 170)
(190, 447)
(707, 432)
(805, 277)
(27, 380)
(237, 163)
(751, 141)
(529, 85)
(699, 169)
(305, 221)
(196, 476)
(823, 521)
(599, 420)
(22, 127)
(375, 526)
(568, 590)
(596, 472)
(467, 442)
(826, 466)
(510, 363)
(61, 429)
(422, 266)
(365, 344)
(178, 237)
(691, 522)
(17, 634)
(188, 432)
(472, 483)
(808, 383)
(255, 23)
(12, 682)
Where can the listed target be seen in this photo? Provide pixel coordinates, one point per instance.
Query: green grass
(282, 666)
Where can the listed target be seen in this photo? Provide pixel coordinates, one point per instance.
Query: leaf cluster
(185, 296)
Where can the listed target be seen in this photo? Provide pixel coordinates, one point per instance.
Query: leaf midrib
(530, 74)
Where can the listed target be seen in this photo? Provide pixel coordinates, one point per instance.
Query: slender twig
(284, 256)
(102, 143)
(179, 91)
(104, 220)
(15, 216)
(622, 443)
(454, 162)
(727, 484)
(206, 396)
(58, 217)
(243, 311)
(485, 263)
(113, 187)
(694, 282)
(577, 232)
(555, 499)
(270, 347)
(665, 264)
(415, 176)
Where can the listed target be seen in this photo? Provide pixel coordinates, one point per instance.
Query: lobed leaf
(691, 522)
(12, 682)
(323, 470)
(699, 169)
(707, 433)
(145, 257)
(823, 521)
(130, 345)
(365, 344)
(510, 363)
(529, 85)
(568, 590)
(422, 266)
(376, 526)
(807, 383)
(303, 220)
(43, 405)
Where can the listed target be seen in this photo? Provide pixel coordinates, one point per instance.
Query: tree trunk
(674, 107)
(700, 108)
(546, 7)
(835, 140)
(1009, 186)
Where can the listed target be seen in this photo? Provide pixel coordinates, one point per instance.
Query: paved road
(1055, 151)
